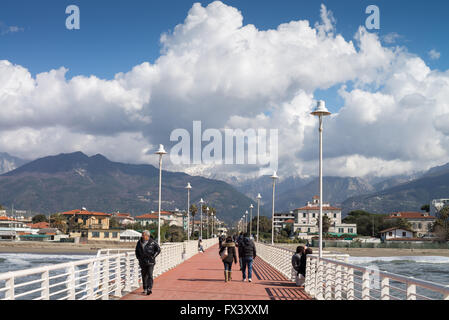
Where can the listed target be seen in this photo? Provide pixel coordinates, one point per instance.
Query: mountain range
(71, 181)
(8, 162)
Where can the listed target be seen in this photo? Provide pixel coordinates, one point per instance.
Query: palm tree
(193, 210)
(58, 221)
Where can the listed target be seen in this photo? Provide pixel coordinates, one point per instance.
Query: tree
(326, 223)
(39, 218)
(425, 207)
(193, 210)
(367, 222)
(58, 221)
(441, 225)
(114, 224)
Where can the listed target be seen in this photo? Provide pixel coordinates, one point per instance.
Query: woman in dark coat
(303, 264)
(228, 249)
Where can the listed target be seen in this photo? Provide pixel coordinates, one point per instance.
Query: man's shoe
(149, 292)
(250, 280)
(243, 279)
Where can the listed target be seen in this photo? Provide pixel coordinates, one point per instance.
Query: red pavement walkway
(201, 278)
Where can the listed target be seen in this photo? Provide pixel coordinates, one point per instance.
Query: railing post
(118, 277)
(411, 291)
(136, 272)
(365, 285)
(9, 293)
(105, 282)
(328, 281)
(338, 283)
(45, 284)
(310, 276)
(350, 284)
(71, 282)
(319, 280)
(385, 289)
(90, 282)
(127, 273)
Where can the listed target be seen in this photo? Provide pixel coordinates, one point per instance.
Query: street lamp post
(321, 111)
(188, 210)
(250, 219)
(258, 206)
(160, 152)
(274, 177)
(246, 221)
(207, 222)
(201, 218)
(213, 221)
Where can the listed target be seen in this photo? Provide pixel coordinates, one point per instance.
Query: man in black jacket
(146, 252)
(247, 251)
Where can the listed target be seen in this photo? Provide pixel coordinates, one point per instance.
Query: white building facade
(306, 218)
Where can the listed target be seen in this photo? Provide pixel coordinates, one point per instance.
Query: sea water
(430, 268)
(22, 261)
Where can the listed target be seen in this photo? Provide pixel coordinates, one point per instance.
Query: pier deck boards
(201, 278)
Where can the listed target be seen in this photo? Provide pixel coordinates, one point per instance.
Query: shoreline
(379, 252)
(60, 248)
(92, 248)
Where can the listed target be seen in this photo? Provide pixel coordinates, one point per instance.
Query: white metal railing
(333, 278)
(281, 258)
(328, 279)
(111, 274)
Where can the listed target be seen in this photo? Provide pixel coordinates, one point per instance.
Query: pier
(182, 273)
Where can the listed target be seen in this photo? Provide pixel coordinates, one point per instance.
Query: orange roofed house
(89, 225)
(166, 217)
(421, 222)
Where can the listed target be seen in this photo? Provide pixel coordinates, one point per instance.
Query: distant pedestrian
(297, 260)
(303, 264)
(147, 249)
(247, 251)
(228, 255)
(239, 246)
(200, 246)
(221, 239)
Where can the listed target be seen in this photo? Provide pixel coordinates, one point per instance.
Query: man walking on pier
(147, 250)
(247, 251)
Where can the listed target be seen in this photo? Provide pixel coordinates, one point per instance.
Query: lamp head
(259, 196)
(161, 150)
(274, 176)
(201, 201)
(246, 212)
(321, 109)
(251, 206)
(188, 186)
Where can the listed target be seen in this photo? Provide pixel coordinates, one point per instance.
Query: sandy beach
(381, 252)
(43, 247)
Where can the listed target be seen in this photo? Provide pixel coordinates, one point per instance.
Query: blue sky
(117, 35)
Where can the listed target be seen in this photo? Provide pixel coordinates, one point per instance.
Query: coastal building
(54, 234)
(170, 217)
(90, 226)
(123, 218)
(305, 219)
(39, 225)
(130, 235)
(421, 222)
(396, 233)
(11, 229)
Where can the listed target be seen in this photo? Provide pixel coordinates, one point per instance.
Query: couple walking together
(246, 253)
(299, 261)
